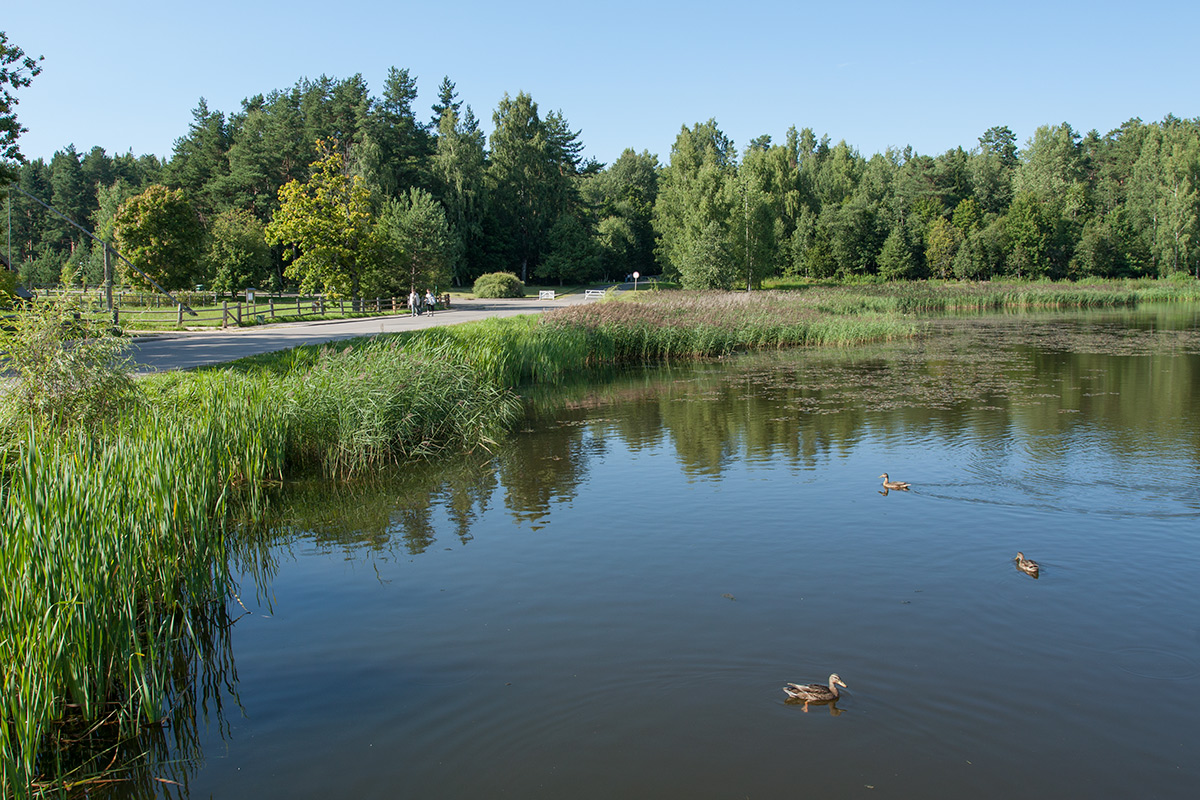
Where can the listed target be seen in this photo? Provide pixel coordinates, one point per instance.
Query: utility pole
(9, 204)
(107, 279)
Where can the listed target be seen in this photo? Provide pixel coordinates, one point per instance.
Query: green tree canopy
(533, 164)
(572, 255)
(159, 231)
(421, 244)
(327, 229)
(697, 198)
(458, 170)
(238, 256)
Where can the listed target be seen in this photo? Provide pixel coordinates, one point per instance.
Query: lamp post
(635, 279)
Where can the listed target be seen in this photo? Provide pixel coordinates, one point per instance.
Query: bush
(498, 284)
(68, 367)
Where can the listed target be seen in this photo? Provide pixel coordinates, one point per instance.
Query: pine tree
(459, 173)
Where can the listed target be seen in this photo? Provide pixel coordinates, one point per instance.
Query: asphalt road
(187, 349)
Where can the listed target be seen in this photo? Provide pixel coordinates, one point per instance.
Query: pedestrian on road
(414, 303)
(429, 301)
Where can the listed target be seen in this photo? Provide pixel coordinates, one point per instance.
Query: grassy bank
(642, 329)
(950, 296)
(116, 540)
(112, 552)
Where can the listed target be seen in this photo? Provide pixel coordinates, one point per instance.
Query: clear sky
(125, 75)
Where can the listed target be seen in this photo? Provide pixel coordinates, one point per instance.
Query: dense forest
(376, 196)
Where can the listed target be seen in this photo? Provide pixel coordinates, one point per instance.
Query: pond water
(611, 605)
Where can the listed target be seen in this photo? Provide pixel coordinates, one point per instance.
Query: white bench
(593, 294)
(545, 294)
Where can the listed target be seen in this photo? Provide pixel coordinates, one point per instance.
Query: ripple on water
(1156, 664)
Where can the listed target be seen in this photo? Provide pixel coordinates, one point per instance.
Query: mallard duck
(1026, 565)
(815, 692)
(887, 484)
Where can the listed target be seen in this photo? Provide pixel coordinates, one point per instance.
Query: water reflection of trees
(992, 381)
(396, 505)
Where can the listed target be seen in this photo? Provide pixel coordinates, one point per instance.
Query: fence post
(116, 316)
(224, 312)
(271, 305)
(239, 313)
(179, 314)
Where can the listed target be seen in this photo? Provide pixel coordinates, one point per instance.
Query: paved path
(186, 349)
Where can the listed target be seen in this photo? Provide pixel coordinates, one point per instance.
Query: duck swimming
(889, 484)
(815, 692)
(1026, 565)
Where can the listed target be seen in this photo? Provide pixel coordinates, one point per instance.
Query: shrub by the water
(498, 284)
(68, 367)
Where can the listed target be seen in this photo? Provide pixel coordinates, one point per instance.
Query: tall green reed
(113, 546)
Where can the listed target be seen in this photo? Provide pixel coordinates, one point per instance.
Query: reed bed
(664, 326)
(117, 544)
(113, 551)
(651, 328)
(377, 402)
(937, 296)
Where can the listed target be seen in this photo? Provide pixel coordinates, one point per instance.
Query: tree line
(327, 187)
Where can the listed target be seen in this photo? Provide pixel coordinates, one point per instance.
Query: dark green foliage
(159, 232)
(531, 175)
(16, 71)
(200, 164)
(707, 262)
(572, 255)
(622, 198)
(1029, 235)
(458, 172)
(498, 284)
(1062, 205)
(238, 256)
(420, 245)
(896, 259)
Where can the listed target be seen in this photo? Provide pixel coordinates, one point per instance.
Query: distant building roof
(20, 291)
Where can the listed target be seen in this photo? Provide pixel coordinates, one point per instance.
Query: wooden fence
(238, 313)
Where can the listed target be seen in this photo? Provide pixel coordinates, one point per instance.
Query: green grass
(112, 549)
(949, 296)
(115, 542)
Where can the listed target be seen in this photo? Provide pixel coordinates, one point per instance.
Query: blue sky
(934, 75)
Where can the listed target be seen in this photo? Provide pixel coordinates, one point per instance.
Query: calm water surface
(611, 605)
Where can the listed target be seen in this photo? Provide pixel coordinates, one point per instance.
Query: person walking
(414, 303)
(430, 302)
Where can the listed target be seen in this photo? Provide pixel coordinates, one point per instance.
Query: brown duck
(815, 692)
(890, 484)
(1027, 565)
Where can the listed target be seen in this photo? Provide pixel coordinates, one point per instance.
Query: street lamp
(635, 277)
